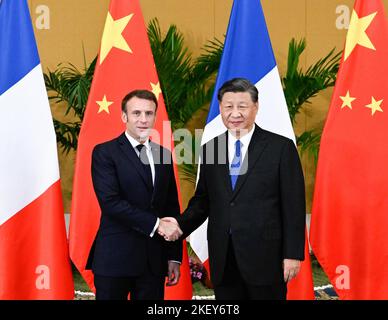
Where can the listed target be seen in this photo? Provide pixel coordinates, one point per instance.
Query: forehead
(236, 97)
(136, 103)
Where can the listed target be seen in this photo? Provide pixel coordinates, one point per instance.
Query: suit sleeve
(107, 189)
(174, 249)
(197, 210)
(293, 207)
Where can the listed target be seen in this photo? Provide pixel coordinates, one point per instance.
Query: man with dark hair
(252, 190)
(141, 94)
(134, 188)
(238, 85)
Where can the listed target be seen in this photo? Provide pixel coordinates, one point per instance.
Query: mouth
(235, 123)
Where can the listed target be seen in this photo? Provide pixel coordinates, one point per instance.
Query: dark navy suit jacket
(129, 210)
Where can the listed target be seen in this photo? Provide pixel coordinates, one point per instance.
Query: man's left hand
(291, 268)
(173, 273)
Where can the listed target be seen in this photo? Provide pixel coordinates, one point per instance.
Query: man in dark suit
(134, 181)
(251, 188)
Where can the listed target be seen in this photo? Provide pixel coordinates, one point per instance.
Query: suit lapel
(128, 150)
(256, 147)
(223, 166)
(158, 163)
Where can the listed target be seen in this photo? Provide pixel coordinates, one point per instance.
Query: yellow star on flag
(104, 105)
(112, 36)
(357, 33)
(347, 100)
(375, 106)
(156, 89)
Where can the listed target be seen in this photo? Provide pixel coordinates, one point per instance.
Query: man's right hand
(169, 229)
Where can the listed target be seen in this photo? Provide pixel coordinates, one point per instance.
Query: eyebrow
(140, 111)
(239, 102)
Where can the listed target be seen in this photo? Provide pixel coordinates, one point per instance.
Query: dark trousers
(234, 287)
(144, 287)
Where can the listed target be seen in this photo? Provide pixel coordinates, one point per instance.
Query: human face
(238, 112)
(139, 118)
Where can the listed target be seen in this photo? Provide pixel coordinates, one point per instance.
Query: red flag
(349, 220)
(125, 63)
(301, 288)
(34, 259)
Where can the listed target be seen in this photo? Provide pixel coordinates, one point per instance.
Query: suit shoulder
(106, 146)
(276, 138)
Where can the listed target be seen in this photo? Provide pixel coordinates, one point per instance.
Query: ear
(124, 117)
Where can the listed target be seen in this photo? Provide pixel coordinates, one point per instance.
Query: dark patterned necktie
(145, 162)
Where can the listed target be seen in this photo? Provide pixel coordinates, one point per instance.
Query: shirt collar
(245, 140)
(135, 143)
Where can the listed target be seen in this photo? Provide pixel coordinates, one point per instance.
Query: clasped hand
(169, 229)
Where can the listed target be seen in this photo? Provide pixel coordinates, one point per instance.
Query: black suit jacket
(265, 213)
(129, 210)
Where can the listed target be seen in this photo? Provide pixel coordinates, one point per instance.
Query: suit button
(232, 204)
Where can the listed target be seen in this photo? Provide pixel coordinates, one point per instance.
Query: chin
(143, 136)
(235, 128)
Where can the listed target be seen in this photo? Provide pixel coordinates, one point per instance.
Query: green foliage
(187, 84)
(69, 85)
(309, 141)
(300, 86)
(188, 170)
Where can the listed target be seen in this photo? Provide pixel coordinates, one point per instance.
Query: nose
(143, 117)
(235, 113)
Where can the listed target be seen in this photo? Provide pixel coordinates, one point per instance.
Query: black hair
(239, 85)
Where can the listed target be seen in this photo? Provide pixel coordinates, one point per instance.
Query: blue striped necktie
(236, 163)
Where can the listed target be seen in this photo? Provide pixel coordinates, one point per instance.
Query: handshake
(169, 229)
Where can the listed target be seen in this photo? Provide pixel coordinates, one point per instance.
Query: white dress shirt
(147, 145)
(245, 140)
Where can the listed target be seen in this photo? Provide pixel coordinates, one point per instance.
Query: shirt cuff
(155, 228)
(178, 262)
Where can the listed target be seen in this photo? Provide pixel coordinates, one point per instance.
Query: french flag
(34, 262)
(248, 54)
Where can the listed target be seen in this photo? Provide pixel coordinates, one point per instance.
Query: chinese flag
(350, 207)
(124, 63)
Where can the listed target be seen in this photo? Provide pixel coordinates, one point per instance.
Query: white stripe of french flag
(34, 261)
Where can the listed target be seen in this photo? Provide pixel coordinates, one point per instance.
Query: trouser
(145, 287)
(234, 287)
